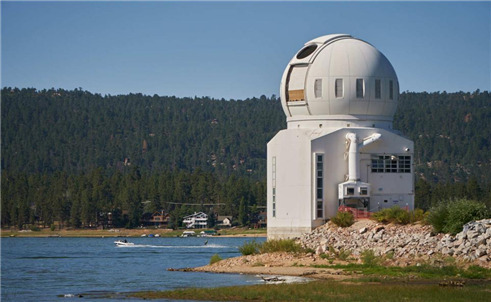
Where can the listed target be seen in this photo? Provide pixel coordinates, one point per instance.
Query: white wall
(295, 175)
(293, 183)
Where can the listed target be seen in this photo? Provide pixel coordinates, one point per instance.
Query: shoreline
(127, 233)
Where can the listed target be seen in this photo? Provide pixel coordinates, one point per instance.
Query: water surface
(40, 269)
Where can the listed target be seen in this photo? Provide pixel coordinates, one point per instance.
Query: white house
(224, 221)
(339, 95)
(196, 220)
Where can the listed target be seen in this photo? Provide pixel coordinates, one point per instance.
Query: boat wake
(174, 246)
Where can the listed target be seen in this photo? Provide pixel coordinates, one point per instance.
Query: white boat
(123, 243)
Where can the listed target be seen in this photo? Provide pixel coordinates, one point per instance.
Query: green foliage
(451, 215)
(52, 228)
(271, 246)
(343, 254)
(215, 258)
(281, 245)
(327, 290)
(249, 248)
(417, 215)
(35, 228)
(437, 217)
(343, 219)
(369, 258)
(175, 150)
(392, 215)
(476, 272)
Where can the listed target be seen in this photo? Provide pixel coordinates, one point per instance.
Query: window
(378, 89)
(318, 88)
(363, 191)
(404, 164)
(319, 173)
(360, 91)
(391, 164)
(307, 51)
(273, 183)
(391, 90)
(338, 88)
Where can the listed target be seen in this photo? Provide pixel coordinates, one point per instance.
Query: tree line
(71, 155)
(85, 200)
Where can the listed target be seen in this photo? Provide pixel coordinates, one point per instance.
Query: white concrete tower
(339, 95)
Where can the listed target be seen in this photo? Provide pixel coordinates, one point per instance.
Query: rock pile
(474, 242)
(402, 241)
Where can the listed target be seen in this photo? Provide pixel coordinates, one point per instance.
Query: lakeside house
(196, 220)
(224, 221)
(157, 219)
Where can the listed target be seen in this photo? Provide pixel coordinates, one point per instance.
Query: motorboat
(123, 243)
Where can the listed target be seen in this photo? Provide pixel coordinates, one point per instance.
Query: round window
(307, 51)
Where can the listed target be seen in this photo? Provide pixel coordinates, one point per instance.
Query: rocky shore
(396, 245)
(403, 244)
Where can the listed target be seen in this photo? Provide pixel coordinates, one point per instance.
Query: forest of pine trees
(73, 156)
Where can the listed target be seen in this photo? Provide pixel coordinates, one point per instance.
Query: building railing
(361, 213)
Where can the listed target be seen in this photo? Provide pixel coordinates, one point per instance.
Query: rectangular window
(363, 191)
(273, 183)
(350, 191)
(360, 90)
(319, 180)
(318, 88)
(404, 164)
(391, 164)
(391, 90)
(338, 89)
(378, 89)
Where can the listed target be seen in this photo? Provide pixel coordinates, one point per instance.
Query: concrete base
(287, 232)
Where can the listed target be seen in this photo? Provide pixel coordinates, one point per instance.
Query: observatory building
(339, 95)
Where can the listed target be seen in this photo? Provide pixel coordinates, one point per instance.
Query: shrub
(249, 248)
(417, 215)
(215, 258)
(450, 216)
(52, 227)
(35, 228)
(437, 217)
(343, 219)
(343, 254)
(394, 214)
(463, 211)
(281, 245)
(368, 257)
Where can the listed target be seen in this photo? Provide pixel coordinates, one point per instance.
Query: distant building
(224, 221)
(339, 95)
(196, 220)
(158, 219)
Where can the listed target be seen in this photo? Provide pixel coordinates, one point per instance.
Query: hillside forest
(71, 156)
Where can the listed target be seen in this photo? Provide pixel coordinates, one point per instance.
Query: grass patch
(423, 271)
(369, 258)
(281, 245)
(250, 248)
(271, 246)
(327, 291)
(215, 258)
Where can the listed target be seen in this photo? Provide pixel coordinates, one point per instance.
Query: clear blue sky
(233, 49)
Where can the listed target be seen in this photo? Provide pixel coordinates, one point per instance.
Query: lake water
(41, 269)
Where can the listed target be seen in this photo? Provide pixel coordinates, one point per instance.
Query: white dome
(338, 75)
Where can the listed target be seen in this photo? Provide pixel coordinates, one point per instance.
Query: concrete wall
(293, 184)
(294, 150)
